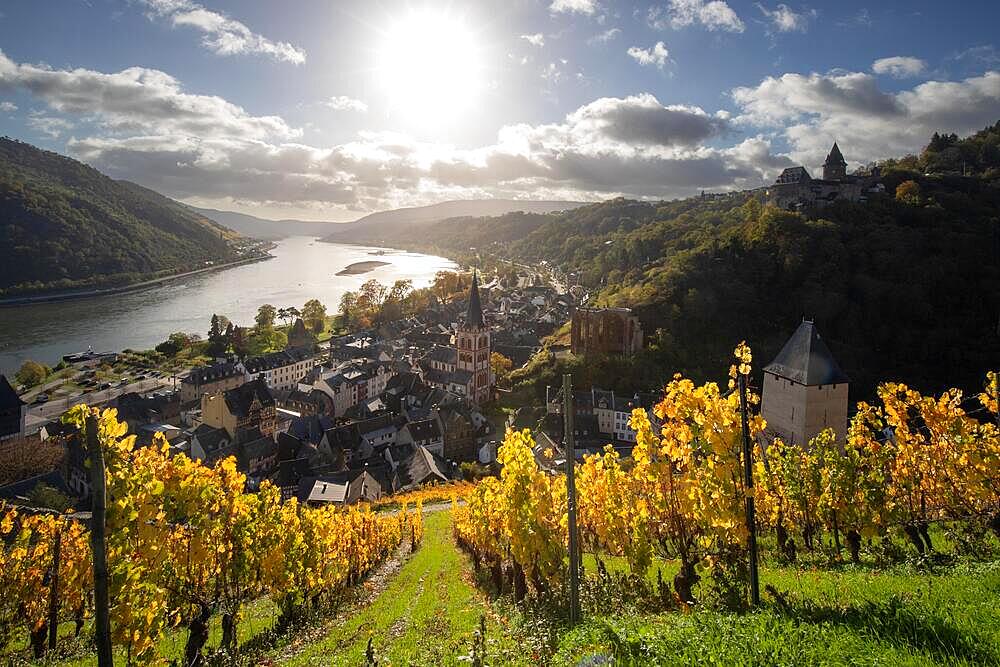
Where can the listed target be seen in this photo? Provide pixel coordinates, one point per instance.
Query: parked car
(123, 382)
(106, 385)
(41, 398)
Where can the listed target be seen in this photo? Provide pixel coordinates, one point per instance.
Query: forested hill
(403, 225)
(901, 289)
(66, 225)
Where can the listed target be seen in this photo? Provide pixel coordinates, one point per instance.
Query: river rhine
(302, 269)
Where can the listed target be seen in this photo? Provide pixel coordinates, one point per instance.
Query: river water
(302, 269)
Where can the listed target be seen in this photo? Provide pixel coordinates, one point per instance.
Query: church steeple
(835, 167)
(474, 315)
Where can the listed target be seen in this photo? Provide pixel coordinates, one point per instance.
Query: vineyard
(887, 542)
(911, 466)
(427, 495)
(185, 544)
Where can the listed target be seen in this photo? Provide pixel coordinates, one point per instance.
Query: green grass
(426, 615)
(851, 616)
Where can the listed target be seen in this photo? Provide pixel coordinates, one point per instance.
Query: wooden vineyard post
(748, 481)
(574, 547)
(98, 546)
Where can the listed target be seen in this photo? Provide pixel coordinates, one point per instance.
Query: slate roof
(274, 360)
(209, 437)
(9, 400)
(794, 175)
(835, 156)
(474, 315)
(445, 355)
(220, 371)
(426, 429)
(422, 467)
(239, 400)
(806, 359)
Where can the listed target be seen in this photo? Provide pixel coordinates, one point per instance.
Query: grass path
(425, 616)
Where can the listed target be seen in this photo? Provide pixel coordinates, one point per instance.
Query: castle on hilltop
(795, 188)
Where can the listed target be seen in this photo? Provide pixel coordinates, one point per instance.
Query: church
(473, 345)
(795, 188)
(464, 368)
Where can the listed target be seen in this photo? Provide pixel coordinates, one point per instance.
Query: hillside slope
(901, 290)
(262, 228)
(404, 224)
(66, 225)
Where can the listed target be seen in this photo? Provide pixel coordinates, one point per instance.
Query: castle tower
(835, 167)
(805, 391)
(474, 346)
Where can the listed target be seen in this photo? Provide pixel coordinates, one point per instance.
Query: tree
(908, 192)
(348, 304)
(239, 342)
(216, 338)
(314, 315)
(32, 373)
(265, 317)
(501, 366)
(287, 315)
(175, 343)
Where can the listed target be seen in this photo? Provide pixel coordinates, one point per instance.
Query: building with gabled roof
(805, 391)
(242, 410)
(13, 411)
(218, 377)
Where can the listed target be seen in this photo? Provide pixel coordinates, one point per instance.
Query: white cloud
(869, 123)
(588, 7)
(50, 126)
(222, 35)
(655, 55)
(900, 67)
(605, 37)
(784, 19)
(677, 14)
(537, 39)
(345, 103)
(139, 100)
(139, 124)
(8, 106)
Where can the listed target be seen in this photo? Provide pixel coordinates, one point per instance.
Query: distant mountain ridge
(385, 227)
(65, 225)
(262, 228)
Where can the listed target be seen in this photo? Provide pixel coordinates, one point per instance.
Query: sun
(429, 67)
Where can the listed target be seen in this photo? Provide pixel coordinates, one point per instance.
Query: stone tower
(805, 391)
(835, 167)
(474, 346)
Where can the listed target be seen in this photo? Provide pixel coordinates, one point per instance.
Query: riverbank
(121, 289)
(301, 269)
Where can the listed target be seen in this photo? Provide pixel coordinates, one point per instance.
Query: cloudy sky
(329, 109)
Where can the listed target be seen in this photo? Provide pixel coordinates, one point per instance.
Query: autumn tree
(501, 366)
(348, 308)
(908, 192)
(265, 317)
(32, 373)
(314, 315)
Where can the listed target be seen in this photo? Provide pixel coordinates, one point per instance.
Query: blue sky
(328, 110)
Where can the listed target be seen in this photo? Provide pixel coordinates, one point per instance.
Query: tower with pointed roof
(805, 391)
(835, 167)
(473, 346)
